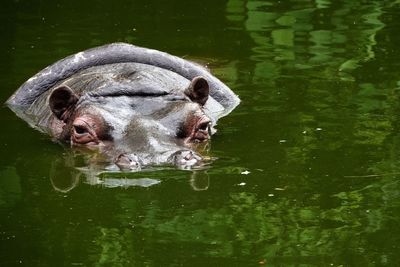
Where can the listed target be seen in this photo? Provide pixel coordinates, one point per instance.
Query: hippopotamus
(135, 105)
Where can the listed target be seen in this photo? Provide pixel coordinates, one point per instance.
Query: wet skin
(140, 116)
(136, 131)
(136, 114)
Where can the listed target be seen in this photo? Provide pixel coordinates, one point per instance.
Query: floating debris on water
(280, 189)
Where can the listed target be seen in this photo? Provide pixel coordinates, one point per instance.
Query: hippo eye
(204, 126)
(202, 131)
(83, 135)
(83, 131)
(80, 130)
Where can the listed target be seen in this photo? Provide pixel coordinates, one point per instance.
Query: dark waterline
(306, 170)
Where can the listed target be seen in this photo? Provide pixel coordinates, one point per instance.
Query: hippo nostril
(186, 158)
(128, 162)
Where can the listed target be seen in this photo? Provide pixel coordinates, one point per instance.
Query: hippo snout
(184, 159)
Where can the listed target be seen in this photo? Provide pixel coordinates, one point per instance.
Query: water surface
(307, 167)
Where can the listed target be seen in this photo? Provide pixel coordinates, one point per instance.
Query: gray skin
(136, 106)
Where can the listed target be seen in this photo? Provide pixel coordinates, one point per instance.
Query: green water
(308, 166)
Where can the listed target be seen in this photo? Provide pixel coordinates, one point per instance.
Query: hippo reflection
(136, 106)
(75, 167)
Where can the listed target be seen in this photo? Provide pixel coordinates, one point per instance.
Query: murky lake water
(308, 166)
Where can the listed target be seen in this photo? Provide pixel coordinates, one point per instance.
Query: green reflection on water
(307, 166)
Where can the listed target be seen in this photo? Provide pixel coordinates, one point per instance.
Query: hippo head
(135, 129)
(135, 105)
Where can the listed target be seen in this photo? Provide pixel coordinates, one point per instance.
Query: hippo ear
(198, 90)
(61, 100)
